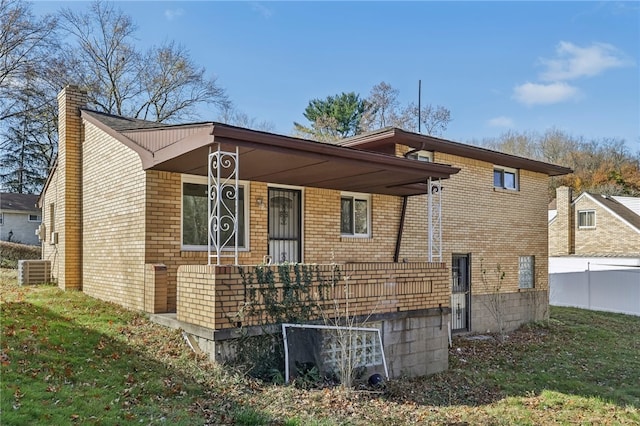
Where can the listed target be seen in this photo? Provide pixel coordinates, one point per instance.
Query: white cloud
(261, 9)
(501, 121)
(171, 14)
(545, 94)
(573, 61)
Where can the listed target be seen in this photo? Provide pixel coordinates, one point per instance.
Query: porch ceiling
(286, 160)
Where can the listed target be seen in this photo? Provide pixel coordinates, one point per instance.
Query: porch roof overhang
(277, 159)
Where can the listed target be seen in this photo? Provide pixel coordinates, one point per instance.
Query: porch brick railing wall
(218, 297)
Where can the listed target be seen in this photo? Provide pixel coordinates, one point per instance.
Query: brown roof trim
(388, 135)
(273, 142)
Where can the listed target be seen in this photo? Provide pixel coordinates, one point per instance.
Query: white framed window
(194, 232)
(526, 271)
(1, 218)
(355, 215)
(586, 218)
(35, 218)
(426, 156)
(505, 178)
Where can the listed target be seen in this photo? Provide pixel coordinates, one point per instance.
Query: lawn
(68, 359)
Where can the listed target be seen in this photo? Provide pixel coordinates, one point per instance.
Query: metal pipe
(396, 255)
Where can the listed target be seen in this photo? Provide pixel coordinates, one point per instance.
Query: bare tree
(103, 55)
(25, 45)
(385, 108)
(600, 165)
(233, 116)
(173, 85)
(386, 111)
(434, 120)
(163, 84)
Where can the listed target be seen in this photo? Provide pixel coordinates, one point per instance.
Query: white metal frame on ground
(327, 327)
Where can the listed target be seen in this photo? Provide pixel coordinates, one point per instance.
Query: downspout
(400, 228)
(396, 255)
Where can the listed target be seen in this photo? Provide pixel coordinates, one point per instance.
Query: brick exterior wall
(113, 213)
(610, 236)
(51, 197)
(494, 226)
(218, 296)
(323, 242)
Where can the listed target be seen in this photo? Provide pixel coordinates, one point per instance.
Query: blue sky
(498, 66)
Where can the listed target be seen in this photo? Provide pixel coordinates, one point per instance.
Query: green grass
(68, 359)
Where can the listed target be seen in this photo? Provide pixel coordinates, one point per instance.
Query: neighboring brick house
(125, 203)
(594, 225)
(19, 218)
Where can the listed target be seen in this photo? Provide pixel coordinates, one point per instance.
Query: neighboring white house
(20, 217)
(594, 252)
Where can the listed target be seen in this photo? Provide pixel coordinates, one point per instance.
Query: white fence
(604, 290)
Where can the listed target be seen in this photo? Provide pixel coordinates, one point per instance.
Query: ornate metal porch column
(434, 214)
(223, 205)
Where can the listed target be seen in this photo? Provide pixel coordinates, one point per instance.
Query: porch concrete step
(170, 320)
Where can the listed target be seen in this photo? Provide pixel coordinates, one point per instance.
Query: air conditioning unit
(34, 272)
(54, 238)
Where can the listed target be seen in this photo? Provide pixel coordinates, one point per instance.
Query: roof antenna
(419, 102)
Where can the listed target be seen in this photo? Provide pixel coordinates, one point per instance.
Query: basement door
(285, 225)
(461, 292)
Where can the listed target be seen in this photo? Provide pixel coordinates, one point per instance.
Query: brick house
(19, 218)
(411, 222)
(594, 225)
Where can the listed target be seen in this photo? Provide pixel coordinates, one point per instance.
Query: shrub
(10, 253)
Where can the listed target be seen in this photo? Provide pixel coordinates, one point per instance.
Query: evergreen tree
(336, 117)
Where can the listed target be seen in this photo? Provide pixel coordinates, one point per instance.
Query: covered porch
(219, 300)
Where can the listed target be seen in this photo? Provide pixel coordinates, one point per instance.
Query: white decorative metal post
(223, 205)
(434, 213)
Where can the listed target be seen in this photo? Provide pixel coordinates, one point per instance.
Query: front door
(285, 225)
(461, 292)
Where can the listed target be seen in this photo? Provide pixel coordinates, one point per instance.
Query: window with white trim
(505, 178)
(426, 156)
(526, 271)
(195, 215)
(1, 218)
(355, 215)
(35, 218)
(586, 218)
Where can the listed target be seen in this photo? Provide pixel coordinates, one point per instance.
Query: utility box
(34, 272)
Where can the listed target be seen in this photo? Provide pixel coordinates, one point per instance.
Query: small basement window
(526, 271)
(505, 178)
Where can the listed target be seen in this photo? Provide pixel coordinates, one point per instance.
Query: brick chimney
(565, 221)
(69, 169)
